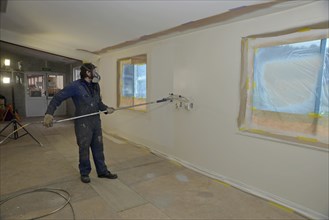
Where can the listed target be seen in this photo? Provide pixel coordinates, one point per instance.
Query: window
(55, 84)
(36, 85)
(285, 87)
(132, 82)
(76, 73)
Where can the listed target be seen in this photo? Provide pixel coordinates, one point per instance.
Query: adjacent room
(164, 109)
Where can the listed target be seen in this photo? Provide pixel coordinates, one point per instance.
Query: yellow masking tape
(223, 183)
(243, 129)
(314, 115)
(142, 147)
(257, 131)
(247, 83)
(254, 85)
(304, 29)
(313, 140)
(281, 207)
(253, 108)
(176, 163)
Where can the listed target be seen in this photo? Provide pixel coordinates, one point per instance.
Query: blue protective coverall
(88, 130)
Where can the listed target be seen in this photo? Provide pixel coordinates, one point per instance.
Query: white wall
(205, 66)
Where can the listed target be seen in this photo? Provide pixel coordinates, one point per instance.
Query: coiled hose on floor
(66, 197)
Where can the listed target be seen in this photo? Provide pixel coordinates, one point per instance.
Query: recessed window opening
(285, 88)
(132, 78)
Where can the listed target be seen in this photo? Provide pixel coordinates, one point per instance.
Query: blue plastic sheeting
(292, 78)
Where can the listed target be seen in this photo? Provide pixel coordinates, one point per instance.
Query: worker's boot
(85, 179)
(108, 175)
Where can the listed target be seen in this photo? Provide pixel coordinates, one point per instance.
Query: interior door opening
(41, 87)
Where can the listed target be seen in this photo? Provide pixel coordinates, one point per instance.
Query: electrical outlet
(189, 106)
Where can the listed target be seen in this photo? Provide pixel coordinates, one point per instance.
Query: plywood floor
(148, 187)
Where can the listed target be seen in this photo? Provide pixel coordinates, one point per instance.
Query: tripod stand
(17, 126)
(14, 122)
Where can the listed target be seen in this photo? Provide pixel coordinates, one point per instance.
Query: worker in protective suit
(85, 94)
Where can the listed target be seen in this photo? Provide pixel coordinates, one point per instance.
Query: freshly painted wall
(204, 66)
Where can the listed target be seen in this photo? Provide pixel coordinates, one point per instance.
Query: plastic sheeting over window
(284, 87)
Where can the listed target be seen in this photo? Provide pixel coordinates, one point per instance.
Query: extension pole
(147, 103)
(121, 108)
(82, 116)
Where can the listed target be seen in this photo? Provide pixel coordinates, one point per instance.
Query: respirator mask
(95, 77)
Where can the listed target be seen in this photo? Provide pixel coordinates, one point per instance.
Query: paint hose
(66, 196)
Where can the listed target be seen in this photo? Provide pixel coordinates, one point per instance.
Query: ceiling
(28, 52)
(82, 28)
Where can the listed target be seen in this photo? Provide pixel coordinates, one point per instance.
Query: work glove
(48, 120)
(110, 110)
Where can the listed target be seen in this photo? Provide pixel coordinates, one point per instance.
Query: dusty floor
(148, 187)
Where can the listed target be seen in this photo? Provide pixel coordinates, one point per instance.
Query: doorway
(40, 89)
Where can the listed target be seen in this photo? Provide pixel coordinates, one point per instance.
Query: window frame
(136, 59)
(246, 123)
